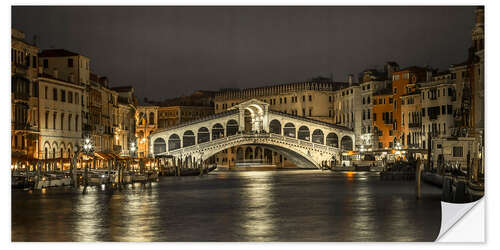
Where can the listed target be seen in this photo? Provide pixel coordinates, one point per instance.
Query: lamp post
(132, 150)
(87, 149)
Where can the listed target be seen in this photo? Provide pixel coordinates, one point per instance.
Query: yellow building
(24, 98)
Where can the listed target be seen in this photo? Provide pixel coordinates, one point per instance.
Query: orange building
(403, 82)
(383, 119)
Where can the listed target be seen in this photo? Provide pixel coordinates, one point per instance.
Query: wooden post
(86, 178)
(418, 179)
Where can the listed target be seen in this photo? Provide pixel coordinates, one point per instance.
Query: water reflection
(258, 217)
(300, 205)
(88, 227)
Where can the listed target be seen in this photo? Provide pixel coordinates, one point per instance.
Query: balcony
(415, 125)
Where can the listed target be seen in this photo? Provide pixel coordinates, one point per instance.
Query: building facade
(371, 82)
(60, 110)
(24, 98)
(125, 115)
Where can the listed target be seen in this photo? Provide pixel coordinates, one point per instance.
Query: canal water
(288, 205)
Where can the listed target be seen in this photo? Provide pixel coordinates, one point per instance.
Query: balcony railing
(415, 125)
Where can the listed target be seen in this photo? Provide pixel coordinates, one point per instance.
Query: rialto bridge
(306, 142)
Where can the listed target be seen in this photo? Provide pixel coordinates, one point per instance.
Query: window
(62, 121)
(70, 62)
(449, 107)
(374, 116)
(54, 94)
(47, 119)
(34, 62)
(45, 63)
(285, 100)
(63, 95)
(303, 112)
(458, 151)
(54, 121)
(76, 123)
(443, 109)
(310, 111)
(76, 98)
(395, 90)
(330, 99)
(69, 122)
(423, 112)
(46, 91)
(35, 89)
(70, 97)
(368, 100)
(303, 98)
(390, 100)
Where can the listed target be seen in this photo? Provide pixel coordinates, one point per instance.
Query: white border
(492, 85)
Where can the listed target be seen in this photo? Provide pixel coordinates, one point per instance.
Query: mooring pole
(418, 178)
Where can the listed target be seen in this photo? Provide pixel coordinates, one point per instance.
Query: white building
(60, 112)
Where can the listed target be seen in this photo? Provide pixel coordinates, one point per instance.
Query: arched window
(289, 130)
(304, 133)
(275, 127)
(151, 118)
(346, 143)
(232, 127)
(332, 140)
(203, 135)
(159, 146)
(217, 131)
(239, 154)
(318, 136)
(188, 139)
(174, 142)
(249, 153)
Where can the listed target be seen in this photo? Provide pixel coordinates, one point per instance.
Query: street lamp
(87, 146)
(133, 147)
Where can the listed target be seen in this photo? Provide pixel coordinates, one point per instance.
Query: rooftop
(57, 53)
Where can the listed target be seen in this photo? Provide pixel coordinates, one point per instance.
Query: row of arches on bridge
(288, 130)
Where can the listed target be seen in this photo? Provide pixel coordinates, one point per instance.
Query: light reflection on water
(298, 205)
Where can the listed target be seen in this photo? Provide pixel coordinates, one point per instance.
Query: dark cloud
(169, 51)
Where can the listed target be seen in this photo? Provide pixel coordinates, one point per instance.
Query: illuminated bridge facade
(305, 142)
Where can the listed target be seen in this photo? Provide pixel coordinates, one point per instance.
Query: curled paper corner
(451, 213)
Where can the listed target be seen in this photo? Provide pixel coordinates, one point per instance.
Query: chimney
(349, 79)
(55, 74)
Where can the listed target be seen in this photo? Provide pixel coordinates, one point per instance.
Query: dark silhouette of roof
(57, 53)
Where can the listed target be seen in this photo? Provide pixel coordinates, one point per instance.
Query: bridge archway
(232, 127)
(289, 130)
(346, 143)
(240, 156)
(217, 131)
(318, 136)
(248, 153)
(275, 127)
(188, 139)
(203, 135)
(174, 142)
(304, 133)
(332, 140)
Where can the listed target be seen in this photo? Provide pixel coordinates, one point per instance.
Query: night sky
(169, 51)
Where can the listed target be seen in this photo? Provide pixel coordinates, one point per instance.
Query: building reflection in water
(258, 215)
(89, 214)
